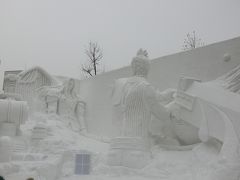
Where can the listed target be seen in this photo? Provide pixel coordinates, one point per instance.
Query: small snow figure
(64, 101)
(71, 107)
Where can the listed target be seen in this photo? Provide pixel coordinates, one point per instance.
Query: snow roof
(30, 75)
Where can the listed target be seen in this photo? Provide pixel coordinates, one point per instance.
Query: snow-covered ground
(53, 157)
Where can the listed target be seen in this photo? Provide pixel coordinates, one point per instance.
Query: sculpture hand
(166, 95)
(174, 110)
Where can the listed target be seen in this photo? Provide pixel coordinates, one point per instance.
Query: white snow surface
(42, 159)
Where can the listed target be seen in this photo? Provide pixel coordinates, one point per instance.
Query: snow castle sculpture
(137, 101)
(31, 80)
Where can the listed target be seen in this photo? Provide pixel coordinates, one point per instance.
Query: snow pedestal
(13, 113)
(132, 152)
(5, 149)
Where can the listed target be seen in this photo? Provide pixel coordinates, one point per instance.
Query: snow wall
(205, 63)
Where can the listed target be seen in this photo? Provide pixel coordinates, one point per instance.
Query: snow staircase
(19, 145)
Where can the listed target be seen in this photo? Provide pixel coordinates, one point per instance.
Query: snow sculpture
(13, 114)
(39, 132)
(31, 80)
(71, 107)
(136, 101)
(64, 101)
(185, 132)
(10, 81)
(212, 108)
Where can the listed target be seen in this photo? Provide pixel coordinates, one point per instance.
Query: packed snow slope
(53, 157)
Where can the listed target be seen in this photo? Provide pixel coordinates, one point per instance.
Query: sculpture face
(71, 84)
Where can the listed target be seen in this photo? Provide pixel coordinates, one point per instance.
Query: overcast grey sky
(53, 33)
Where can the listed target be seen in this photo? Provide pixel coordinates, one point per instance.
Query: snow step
(19, 146)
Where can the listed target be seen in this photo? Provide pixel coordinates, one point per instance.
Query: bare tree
(94, 56)
(192, 41)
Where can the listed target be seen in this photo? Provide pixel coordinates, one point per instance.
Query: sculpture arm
(157, 109)
(80, 114)
(166, 95)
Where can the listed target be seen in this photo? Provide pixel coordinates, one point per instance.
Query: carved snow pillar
(13, 114)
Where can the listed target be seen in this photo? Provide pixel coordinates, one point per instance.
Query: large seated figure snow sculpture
(212, 109)
(135, 101)
(64, 101)
(12, 114)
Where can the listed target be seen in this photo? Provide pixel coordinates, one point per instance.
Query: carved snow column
(6, 148)
(13, 114)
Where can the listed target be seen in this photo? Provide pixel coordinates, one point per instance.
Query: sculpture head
(69, 87)
(140, 64)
